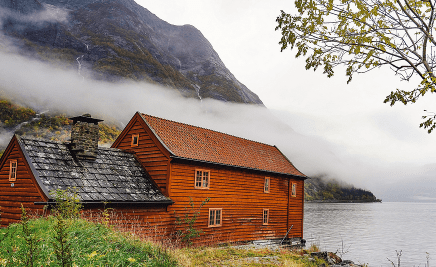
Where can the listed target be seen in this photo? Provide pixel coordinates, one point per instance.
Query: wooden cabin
(32, 169)
(255, 191)
(153, 170)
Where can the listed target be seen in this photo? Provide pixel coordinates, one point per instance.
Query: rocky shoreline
(332, 259)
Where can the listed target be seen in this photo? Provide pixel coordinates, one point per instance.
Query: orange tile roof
(191, 142)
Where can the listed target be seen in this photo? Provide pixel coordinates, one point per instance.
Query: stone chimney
(84, 137)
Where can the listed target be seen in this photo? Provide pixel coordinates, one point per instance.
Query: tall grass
(90, 244)
(64, 239)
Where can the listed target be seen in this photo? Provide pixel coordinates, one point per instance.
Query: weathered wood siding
(151, 157)
(153, 223)
(240, 194)
(296, 210)
(25, 190)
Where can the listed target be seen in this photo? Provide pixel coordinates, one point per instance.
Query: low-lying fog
(41, 87)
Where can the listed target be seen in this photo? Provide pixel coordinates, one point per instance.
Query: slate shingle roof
(191, 142)
(114, 176)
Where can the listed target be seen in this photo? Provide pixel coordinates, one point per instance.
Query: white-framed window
(215, 217)
(135, 140)
(13, 171)
(266, 185)
(294, 190)
(265, 216)
(202, 179)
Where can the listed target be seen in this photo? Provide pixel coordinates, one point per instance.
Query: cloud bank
(41, 87)
(47, 13)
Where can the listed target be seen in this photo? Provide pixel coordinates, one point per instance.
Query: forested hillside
(24, 121)
(320, 189)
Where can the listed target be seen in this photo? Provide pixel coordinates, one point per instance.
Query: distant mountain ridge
(322, 189)
(118, 39)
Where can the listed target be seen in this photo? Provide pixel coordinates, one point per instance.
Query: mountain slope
(321, 189)
(23, 121)
(118, 39)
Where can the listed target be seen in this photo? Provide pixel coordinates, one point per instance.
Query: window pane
(198, 179)
(13, 171)
(218, 217)
(135, 140)
(266, 189)
(211, 217)
(205, 179)
(265, 216)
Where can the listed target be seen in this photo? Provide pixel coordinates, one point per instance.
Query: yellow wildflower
(3, 262)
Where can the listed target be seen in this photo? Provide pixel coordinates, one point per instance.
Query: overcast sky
(353, 117)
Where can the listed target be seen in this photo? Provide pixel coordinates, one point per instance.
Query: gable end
(33, 170)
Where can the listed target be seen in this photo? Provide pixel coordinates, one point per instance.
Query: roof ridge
(204, 128)
(39, 139)
(113, 149)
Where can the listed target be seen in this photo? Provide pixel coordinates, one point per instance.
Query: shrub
(188, 220)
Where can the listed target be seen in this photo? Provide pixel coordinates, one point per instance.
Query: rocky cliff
(118, 39)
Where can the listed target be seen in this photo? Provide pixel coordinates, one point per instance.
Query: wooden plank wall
(24, 191)
(242, 199)
(152, 223)
(153, 160)
(296, 209)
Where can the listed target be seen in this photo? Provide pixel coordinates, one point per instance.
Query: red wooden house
(255, 191)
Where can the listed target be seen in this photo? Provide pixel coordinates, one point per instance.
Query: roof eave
(289, 161)
(156, 135)
(239, 167)
(163, 202)
(32, 168)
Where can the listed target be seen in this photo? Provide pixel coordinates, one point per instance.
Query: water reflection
(372, 232)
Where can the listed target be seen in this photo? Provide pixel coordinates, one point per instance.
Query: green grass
(231, 256)
(91, 245)
(94, 244)
(64, 239)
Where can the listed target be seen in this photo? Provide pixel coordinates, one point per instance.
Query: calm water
(372, 232)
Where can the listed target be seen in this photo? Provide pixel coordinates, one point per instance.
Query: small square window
(294, 190)
(135, 140)
(202, 179)
(265, 217)
(13, 171)
(266, 185)
(215, 217)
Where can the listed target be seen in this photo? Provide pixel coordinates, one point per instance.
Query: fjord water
(372, 232)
